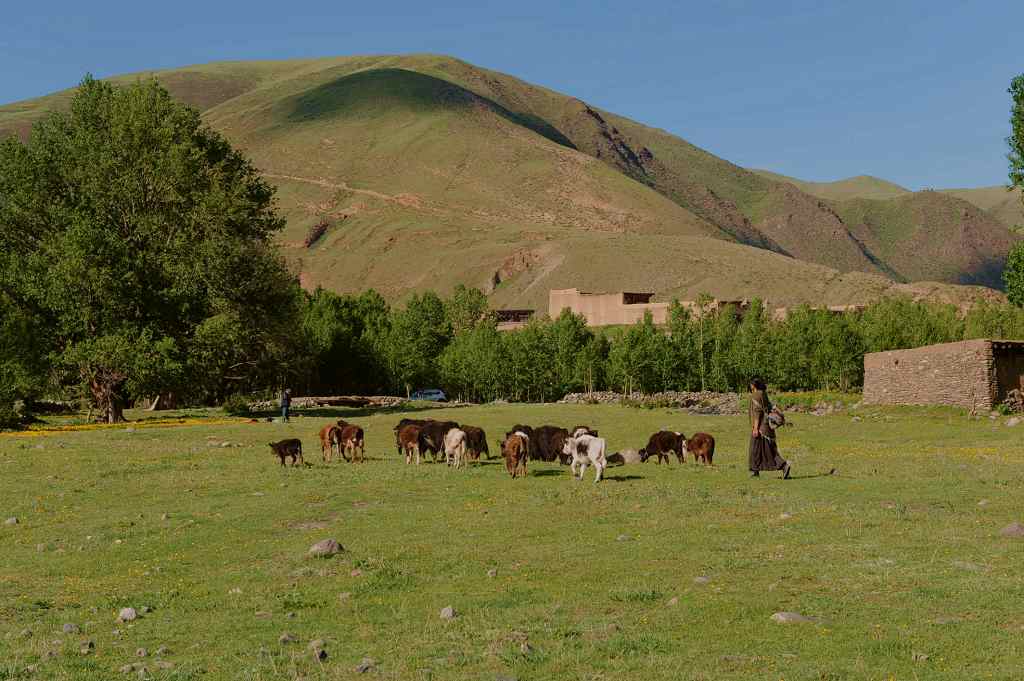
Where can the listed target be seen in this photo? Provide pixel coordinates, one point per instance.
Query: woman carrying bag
(764, 452)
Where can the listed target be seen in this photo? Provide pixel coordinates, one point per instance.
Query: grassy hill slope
(859, 187)
(998, 201)
(431, 172)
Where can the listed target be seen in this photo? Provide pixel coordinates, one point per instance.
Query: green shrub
(236, 405)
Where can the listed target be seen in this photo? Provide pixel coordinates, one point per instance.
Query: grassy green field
(897, 557)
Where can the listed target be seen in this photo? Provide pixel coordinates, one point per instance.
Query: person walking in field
(286, 403)
(764, 452)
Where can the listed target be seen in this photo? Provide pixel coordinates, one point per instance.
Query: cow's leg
(583, 468)
(599, 468)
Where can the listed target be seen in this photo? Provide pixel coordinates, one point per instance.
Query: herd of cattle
(459, 444)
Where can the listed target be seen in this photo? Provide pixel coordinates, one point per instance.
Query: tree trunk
(107, 399)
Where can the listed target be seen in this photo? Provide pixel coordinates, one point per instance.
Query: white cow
(455, 447)
(586, 449)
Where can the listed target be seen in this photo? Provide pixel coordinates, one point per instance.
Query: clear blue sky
(911, 91)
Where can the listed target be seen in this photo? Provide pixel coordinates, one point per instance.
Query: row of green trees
(359, 344)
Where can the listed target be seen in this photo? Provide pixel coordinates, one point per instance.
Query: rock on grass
(325, 548)
(448, 613)
(791, 618)
(127, 615)
(1013, 530)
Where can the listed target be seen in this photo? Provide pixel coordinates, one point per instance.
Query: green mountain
(427, 171)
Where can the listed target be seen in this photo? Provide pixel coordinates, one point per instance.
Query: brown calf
(330, 441)
(515, 450)
(702, 446)
(663, 443)
(352, 440)
(409, 442)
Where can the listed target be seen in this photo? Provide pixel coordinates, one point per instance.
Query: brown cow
(515, 450)
(402, 424)
(432, 437)
(329, 441)
(409, 442)
(352, 439)
(285, 448)
(663, 443)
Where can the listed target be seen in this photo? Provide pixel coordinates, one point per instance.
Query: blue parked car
(429, 395)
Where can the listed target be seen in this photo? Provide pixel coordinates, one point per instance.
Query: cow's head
(569, 446)
(644, 455)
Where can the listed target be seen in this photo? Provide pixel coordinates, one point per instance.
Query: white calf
(583, 450)
(455, 447)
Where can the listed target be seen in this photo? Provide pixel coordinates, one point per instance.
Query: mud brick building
(974, 374)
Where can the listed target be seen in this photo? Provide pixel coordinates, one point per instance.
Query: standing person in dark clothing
(764, 452)
(286, 403)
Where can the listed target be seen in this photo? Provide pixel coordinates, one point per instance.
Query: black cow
(476, 442)
(663, 443)
(432, 437)
(285, 448)
(547, 442)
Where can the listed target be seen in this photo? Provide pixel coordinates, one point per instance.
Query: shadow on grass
(814, 475)
(623, 478)
(547, 472)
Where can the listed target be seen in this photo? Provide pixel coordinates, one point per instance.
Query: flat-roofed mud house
(624, 307)
(974, 374)
(510, 320)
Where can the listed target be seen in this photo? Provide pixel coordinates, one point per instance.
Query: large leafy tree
(142, 242)
(1013, 275)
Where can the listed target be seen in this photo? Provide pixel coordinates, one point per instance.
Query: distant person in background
(764, 452)
(286, 403)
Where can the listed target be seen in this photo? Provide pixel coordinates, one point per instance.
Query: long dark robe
(764, 452)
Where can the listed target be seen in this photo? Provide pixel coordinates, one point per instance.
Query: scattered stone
(366, 665)
(946, 620)
(356, 573)
(320, 655)
(71, 628)
(165, 516)
(115, 633)
(1015, 421)
(325, 548)
(344, 596)
(145, 610)
(919, 657)
(11, 521)
(785, 516)
(291, 615)
(448, 613)
(141, 652)
(965, 565)
(127, 615)
(856, 419)
(26, 633)
(1013, 530)
(506, 677)
(316, 643)
(236, 591)
(288, 638)
(162, 651)
(623, 537)
(790, 618)
(983, 502)
(262, 615)
(492, 573)
(701, 579)
(525, 648)
(50, 655)
(127, 669)
(674, 601)
(40, 547)
(87, 647)
(163, 664)
(32, 669)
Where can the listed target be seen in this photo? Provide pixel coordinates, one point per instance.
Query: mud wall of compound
(958, 374)
(603, 309)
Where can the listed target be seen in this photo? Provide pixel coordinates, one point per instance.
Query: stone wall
(958, 374)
